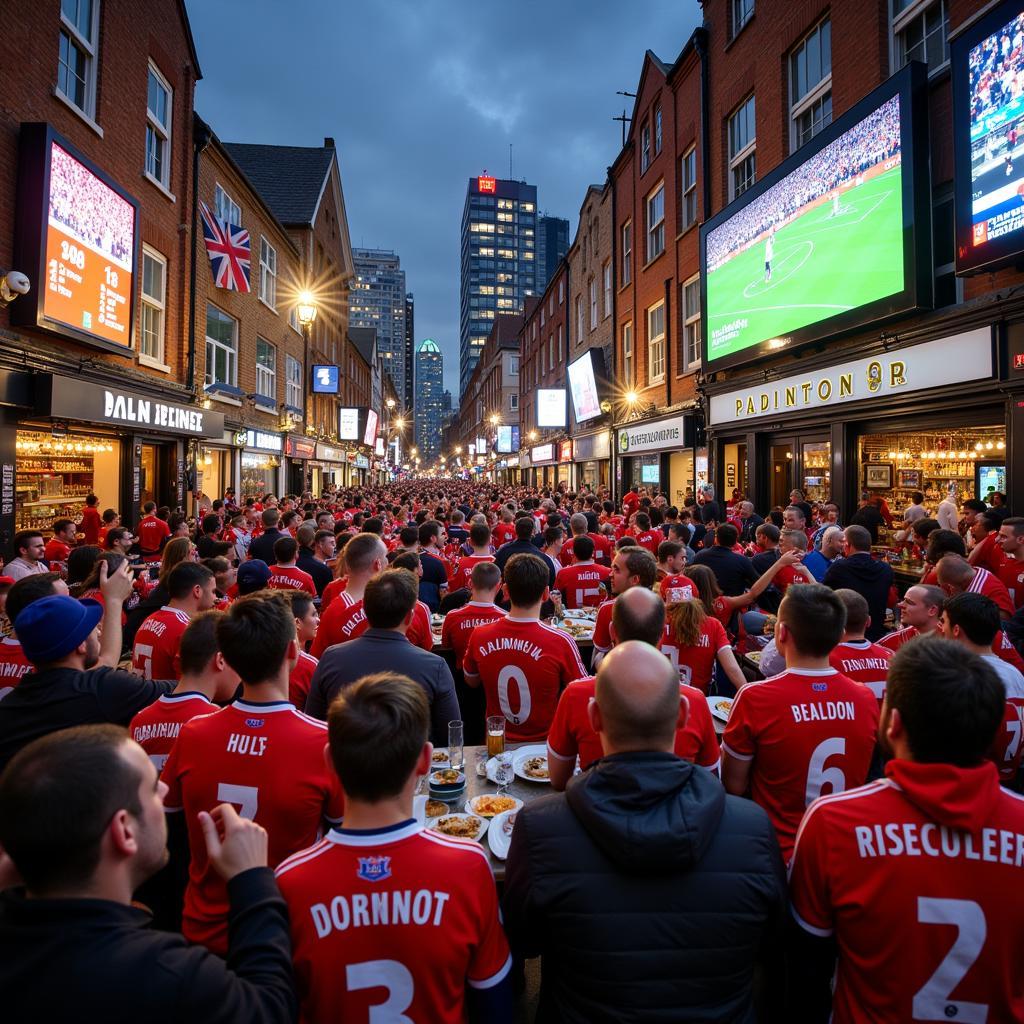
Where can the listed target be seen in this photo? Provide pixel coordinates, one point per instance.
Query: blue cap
(253, 575)
(54, 626)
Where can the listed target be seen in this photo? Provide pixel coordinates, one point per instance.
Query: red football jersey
(13, 665)
(571, 735)
(914, 875)
(581, 584)
(863, 662)
(331, 591)
(268, 760)
(155, 654)
(291, 577)
(392, 925)
(649, 539)
(151, 532)
(695, 664)
(676, 588)
(460, 623)
(156, 727)
(56, 550)
(458, 577)
(91, 524)
(1011, 575)
(603, 642)
(503, 533)
(419, 631)
(300, 678)
(343, 620)
(988, 585)
(523, 665)
(806, 731)
(604, 549)
(895, 640)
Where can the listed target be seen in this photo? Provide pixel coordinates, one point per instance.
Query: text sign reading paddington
(962, 358)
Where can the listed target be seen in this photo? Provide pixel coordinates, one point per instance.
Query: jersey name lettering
(909, 839)
(241, 743)
(830, 711)
(508, 643)
(361, 910)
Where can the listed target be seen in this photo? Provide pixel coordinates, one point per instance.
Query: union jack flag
(228, 249)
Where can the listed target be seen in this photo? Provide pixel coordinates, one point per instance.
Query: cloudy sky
(422, 94)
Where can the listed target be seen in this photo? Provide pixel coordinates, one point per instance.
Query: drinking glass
(504, 773)
(456, 755)
(495, 735)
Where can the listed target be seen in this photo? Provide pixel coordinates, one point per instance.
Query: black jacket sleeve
(521, 926)
(256, 985)
(316, 703)
(444, 705)
(120, 695)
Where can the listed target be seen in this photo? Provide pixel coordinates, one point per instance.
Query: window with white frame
(268, 273)
(158, 127)
(543, 318)
(293, 319)
(810, 84)
(657, 130)
(606, 280)
(656, 343)
(561, 344)
(645, 147)
(221, 348)
(690, 347)
(592, 294)
(266, 369)
(920, 30)
(742, 11)
(513, 366)
(293, 382)
(77, 54)
(561, 291)
(627, 252)
(627, 355)
(688, 188)
(580, 322)
(513, 402)
(742, 143)
(225, 208)
(154, 305)
(656, 222)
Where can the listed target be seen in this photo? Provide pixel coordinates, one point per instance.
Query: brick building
(94, 359)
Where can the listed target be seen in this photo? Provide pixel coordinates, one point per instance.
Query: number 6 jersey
(918, 876)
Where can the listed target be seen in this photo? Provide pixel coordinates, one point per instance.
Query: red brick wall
(536, 369)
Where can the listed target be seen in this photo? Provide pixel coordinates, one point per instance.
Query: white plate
(523, 754)
(497, 838)
(469, 806)
(438, 766)
(721, 715)
(456, 814)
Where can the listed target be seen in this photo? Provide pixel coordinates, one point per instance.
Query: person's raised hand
(792, 557)
(233, 844)
(115, 586)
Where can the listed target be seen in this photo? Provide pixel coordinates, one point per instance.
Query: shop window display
(259, 474)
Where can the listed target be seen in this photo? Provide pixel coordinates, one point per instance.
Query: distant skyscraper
(552, 245)
(429, 398)
(446, 406)
(499, 265)
(410, 334)
(378, 301)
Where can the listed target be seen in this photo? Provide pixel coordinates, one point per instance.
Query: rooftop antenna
(623, 117)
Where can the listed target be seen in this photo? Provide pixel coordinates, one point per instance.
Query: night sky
(419, 96)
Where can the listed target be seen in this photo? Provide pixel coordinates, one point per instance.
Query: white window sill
(223, 399)
(77, 110)
(160, 185)
(153, 364)
(273, 309)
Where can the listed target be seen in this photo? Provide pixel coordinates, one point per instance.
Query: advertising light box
(508, 439)
(325, 380)
(585, 375)
(348, 424)
(836, 237)
(370, 433)
(987, 63)
(551, 411)
(77, 235)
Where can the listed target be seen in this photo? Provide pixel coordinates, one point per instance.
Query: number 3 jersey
(915, 876)
(808, 732)
(392, 925)
(265, 759)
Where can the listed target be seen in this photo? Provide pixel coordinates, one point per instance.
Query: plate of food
(439, 759)
(755, 656)
(446, 781)
(435, 809)
(720, 707)
(531, 763)
(578, 629)
(461, 826)
(489, 806)
(499, 834)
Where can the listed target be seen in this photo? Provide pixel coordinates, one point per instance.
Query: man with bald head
(637, 615)
(643, 844)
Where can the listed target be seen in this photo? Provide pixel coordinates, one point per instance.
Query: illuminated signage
(379, 446)
(542, 453)
(370, 434)
(551, 410)
(508, 439)
(485, 184)
(325, 380)
(565, 451)
(348, 424)
(77, 237)
(583, 386)
(481, 445)
(263, 440)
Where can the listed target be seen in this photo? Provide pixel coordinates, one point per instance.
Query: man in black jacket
(869, 577)
(82, 826)
(262, 547)
(314, 546)
(523, 545)
(733, 572)
(648, 892)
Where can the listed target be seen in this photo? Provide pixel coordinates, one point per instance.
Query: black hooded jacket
(648, 892)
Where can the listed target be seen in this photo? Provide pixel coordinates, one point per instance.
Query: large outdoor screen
(370, 431)
(832, 239)
(551, 407)
(78, 242)
(508, 439)
(988, 133)
(348, 424)
(584, 376)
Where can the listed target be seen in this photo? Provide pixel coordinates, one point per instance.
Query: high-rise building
(552, 245)
(378, 301)
(429, 398)
(410, 333)
(499, 260)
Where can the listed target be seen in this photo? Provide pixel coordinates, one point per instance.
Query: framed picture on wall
(910, 478)
(878, 475)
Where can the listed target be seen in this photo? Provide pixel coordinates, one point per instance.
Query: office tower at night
(499, 260)
(378, 300)
(410, 334)
(429, 398)
(552, 245)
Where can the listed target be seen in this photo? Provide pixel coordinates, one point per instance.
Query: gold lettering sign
(897, 374)
(845, 384)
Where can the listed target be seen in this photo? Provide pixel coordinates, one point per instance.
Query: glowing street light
(305, 310)
(390, 403)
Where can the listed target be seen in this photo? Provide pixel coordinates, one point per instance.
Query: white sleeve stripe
(715, 766)
(311, 853)
(172, 810)
(559, 757)
(739, 757)
(494, 979)
(822, 933)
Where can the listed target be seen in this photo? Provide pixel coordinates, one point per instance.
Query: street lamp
(305, 310)
(414, 452)
(495, 419)
(390, 403)
(533, 435)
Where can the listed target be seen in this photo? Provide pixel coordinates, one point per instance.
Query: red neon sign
(485, 184)
(1018, 361)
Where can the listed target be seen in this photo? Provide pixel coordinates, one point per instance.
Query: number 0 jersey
(914, 876)
(392, 925)
(808, 732)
